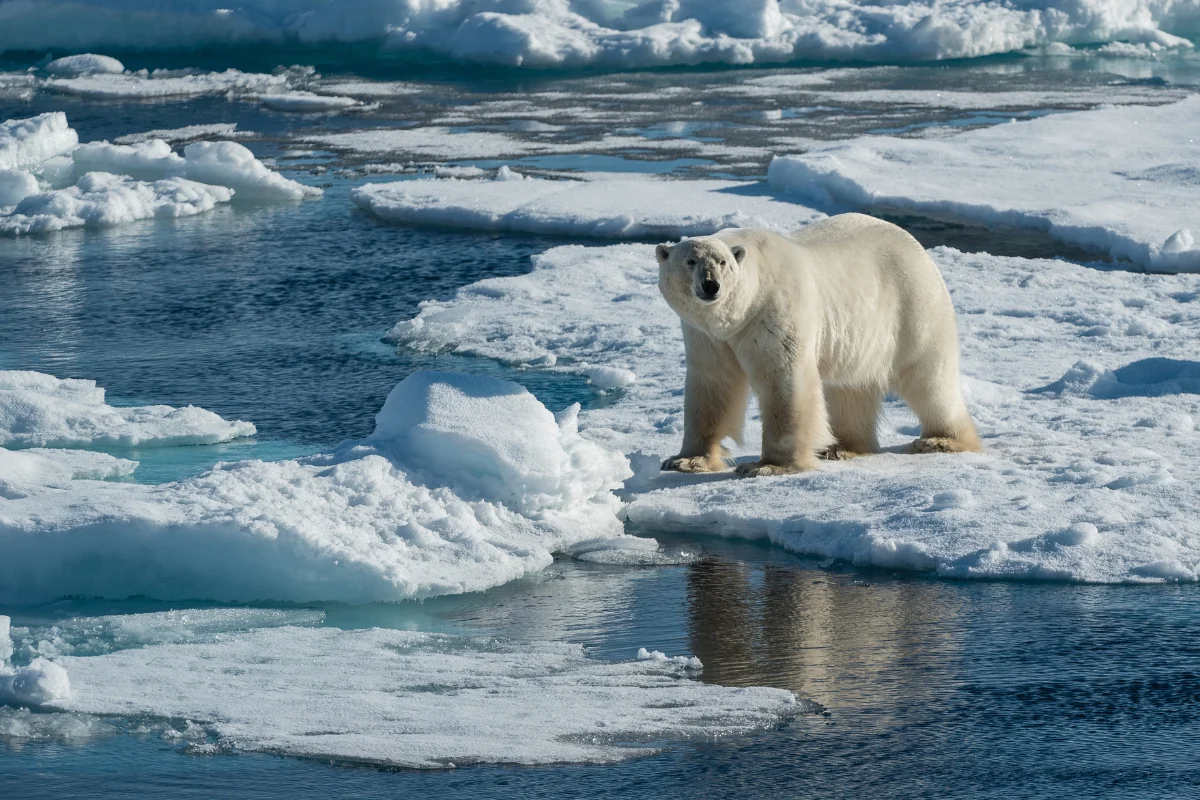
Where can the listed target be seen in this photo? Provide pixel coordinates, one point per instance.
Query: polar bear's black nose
(709, 289)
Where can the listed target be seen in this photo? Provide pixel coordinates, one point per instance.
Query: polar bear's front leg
(795, 420)
(714, 404)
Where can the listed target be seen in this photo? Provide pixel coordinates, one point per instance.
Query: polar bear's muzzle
(708, 288)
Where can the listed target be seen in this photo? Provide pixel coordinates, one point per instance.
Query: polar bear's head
(700, 277)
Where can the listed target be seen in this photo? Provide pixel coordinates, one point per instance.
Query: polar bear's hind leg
(934, 393)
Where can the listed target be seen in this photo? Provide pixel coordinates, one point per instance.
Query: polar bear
(821, 324)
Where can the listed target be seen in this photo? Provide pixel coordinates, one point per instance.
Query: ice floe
(99, 184)
(400, 698)
(168, 84)
(1120, 181)
(39, 410)
(604, 206)
(613, 34)
(1082, 381)
(101, 199)
(465, 484)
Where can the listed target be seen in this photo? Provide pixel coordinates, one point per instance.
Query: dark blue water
(275, 313)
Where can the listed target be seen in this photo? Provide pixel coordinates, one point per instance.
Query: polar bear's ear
(663, 252)
(739, 252)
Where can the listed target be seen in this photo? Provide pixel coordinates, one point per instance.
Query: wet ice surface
(274, 315)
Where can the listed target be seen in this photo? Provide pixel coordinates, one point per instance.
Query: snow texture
(1121, 181)
(466, 483)
(301, 101)
(606, 33)
(604, 206)
(1083, 382)
(39, 410)
(410, 699)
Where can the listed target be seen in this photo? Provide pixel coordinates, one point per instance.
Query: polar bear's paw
(941, 444)
(836, 452)
(757, 469)
(694, 464)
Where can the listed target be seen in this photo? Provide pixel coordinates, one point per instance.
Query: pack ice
(1083, 382)
(48, 181)
(273, 681)
(607, 33)
(466, 483)
(1120, 181)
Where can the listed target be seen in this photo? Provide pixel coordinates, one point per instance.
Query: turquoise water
(275, 314)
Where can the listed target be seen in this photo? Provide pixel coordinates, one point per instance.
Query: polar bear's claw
(835, 452)
(692, 464)
(940, 444)
(757, 469)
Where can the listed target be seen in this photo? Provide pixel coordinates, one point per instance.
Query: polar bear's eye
(722, 263)
(691, 262)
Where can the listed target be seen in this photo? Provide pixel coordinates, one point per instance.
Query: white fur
(821, 325)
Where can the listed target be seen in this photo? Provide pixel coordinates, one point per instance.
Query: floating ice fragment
(39, 410)
(687, 662)
(416, 699)
(610, 377)
(40, 683)
(84, 64)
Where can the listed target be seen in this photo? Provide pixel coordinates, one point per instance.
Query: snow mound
(85, 64)
(429, 504)
(26, 143)
(411, 699)
(39, 410)
(233, 165)
(1070, 448)
(1121, 181)
(608, 207)
(615, 34)
(15, 186)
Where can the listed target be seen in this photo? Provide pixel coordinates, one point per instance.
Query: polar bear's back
(878, 296)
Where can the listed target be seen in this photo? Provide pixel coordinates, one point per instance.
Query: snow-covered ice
(466, 483)
(100, 184)
(26, 143)
(101, 199)
(400, 698)
(39, 410)
(167, 84)
(1120, 181)
(604, 206)
(607, 33)
(56, 467)
(1082, 382)
(303, 101)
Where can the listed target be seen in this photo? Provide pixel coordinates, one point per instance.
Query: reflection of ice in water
(841, 642)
